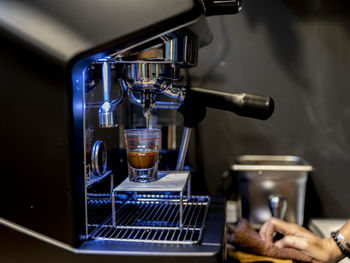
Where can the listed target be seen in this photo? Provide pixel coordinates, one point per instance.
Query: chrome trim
(106, 81)
(183, 149)
(132, 97)
(245, 167)
(167, 105)
(115, 102)
(152, 65)
(271, 163)
(69, 248)
(146, 73)
(181, 49)
(107, 113)
(118, 53)
(85, 161)
(36, 235)
(177, 93)
(98, 148)
(156, 221)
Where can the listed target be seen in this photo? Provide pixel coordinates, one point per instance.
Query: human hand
(295, 236)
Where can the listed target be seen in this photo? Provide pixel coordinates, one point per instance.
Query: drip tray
(156, 221)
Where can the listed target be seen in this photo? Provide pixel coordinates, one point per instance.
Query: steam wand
(183, 149)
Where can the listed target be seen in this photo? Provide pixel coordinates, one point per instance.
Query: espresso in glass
(142, 160)
(142, 147)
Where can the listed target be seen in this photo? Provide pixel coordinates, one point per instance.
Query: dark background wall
(297, 52)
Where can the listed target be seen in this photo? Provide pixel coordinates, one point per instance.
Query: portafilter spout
(143, 81)
(150, 68)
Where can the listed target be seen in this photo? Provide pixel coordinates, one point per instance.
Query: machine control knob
(221, 7)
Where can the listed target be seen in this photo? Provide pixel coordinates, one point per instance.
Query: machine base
(35, 250)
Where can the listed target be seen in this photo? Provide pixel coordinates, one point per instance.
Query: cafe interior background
(297, 52)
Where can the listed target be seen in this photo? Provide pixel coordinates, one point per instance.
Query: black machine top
(64, 30)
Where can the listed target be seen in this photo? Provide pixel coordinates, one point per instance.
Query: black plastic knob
(221, 7)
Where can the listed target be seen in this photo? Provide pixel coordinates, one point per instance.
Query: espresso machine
(73, 71)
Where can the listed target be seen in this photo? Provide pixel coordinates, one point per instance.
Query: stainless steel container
(261, 176)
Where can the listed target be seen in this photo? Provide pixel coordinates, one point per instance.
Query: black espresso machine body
(46, 49)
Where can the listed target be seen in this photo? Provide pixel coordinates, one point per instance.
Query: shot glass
(142, 148)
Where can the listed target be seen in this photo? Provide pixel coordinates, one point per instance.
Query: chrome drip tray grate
(156, 221)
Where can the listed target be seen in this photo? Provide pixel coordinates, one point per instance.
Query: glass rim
(140, 130)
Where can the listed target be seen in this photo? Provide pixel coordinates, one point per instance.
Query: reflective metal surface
(107, 115)
(183, 149)
(153, 221)
(261, 176)
(108, 112)
(156, 76)
(99, 158)
(278, 206)
(180, 48)
(170, 105)
(153, 66)
(158, 191)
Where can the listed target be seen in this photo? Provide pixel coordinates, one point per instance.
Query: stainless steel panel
(263, 175)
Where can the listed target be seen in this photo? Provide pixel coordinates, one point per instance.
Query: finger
(264, 230)
(269, 228)
(285, 228)
(293, 242)
(276, 225)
